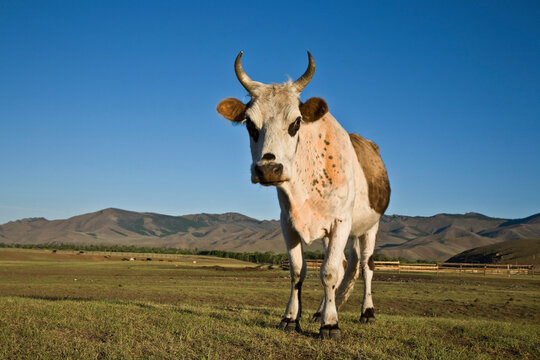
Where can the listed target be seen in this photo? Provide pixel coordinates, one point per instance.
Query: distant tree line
(268, 257)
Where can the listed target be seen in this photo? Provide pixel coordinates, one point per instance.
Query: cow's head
(274, 119)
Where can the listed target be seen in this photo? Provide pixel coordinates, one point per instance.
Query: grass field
(87, 306)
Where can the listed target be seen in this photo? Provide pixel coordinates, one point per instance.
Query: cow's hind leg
(368, 265)
(293, 312)
(351, 274)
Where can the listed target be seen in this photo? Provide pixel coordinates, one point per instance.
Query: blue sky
(112, 103)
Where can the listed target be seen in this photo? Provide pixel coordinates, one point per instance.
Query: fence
(439, 268)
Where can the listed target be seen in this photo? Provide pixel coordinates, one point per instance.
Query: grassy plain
(87, 306)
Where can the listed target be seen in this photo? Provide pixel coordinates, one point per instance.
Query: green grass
(83, 306)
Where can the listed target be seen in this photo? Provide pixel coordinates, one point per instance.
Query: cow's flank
(374, 171)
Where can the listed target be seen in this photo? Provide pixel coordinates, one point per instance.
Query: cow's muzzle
(268, 174)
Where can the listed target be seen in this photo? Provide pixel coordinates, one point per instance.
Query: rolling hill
(523, 251)
(444, 235)
(435, 238)
(229, 231)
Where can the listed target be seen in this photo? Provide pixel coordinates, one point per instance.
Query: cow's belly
(364, 218)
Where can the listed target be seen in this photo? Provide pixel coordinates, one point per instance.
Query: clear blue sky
(112, 103)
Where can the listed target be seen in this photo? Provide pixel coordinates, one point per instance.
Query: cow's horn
(303, 80)
(242, 76)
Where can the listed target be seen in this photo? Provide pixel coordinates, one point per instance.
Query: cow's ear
(313, 109)
(232, 109)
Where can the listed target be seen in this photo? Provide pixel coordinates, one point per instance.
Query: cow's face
(274, 118)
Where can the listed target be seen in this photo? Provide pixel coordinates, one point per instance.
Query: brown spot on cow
(371, 263)
(374, 171)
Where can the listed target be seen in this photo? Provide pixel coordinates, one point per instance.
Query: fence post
(508, 269)
(485, 268)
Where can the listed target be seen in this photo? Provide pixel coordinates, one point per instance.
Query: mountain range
(436, 237)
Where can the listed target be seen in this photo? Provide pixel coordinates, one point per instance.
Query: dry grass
(83, 306)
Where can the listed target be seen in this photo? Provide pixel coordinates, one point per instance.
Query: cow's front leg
(330, 271)
(317, 316)
(291, 318)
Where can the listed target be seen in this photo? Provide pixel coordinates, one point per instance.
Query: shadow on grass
(88, 299)
(56, 298)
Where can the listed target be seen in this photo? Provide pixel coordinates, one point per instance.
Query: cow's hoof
(290, 325)
(368, 317)
(331, 332)
(316, 317)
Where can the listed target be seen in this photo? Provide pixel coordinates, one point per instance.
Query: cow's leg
(368, 244)
(293, 312)
(317, 316)
(351, 274)
(330, 275)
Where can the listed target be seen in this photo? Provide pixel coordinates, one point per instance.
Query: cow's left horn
(303, 80)
(242, 76)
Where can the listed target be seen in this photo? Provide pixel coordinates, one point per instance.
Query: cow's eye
(295, 125)
(252, 129)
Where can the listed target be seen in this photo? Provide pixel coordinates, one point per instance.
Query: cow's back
(374, 170)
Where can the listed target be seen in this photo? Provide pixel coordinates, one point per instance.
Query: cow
(331, 185)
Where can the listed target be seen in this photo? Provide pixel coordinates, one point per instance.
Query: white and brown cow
(330, 184)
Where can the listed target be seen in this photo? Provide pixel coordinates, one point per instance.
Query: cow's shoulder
(374, 170)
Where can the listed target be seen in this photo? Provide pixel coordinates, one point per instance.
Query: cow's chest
(312, 218)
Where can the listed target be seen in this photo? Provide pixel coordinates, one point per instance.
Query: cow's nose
(269, 156)
(269, 172)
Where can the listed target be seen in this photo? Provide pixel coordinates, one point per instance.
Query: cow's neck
(307, 198)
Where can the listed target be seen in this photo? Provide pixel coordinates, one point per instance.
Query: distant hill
(433, 238)
(524, 251)
(229, 231)
(444, 235)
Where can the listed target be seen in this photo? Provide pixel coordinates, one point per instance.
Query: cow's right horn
(303, 80)
(242, 76)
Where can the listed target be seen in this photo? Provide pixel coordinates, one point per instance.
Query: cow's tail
(351, 273)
